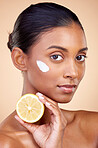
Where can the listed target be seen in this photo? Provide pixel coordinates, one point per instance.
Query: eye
(56, 57)
(81, 58)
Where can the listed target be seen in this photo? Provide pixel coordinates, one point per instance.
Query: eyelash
(81, 56)
(56, 57)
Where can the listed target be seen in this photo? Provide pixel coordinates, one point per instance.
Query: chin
(63, 99)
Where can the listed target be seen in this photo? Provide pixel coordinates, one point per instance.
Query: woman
(48, 45)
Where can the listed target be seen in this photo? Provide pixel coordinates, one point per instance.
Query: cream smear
(42, 66)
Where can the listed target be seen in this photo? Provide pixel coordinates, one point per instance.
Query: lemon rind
(40, 115)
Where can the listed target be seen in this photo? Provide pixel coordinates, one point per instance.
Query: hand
(50, 134)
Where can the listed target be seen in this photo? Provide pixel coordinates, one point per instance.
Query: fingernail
(18, 119)
(41, 97)
(48, 104)
(39, 94)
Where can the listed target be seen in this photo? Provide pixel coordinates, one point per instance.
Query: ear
(19, 59)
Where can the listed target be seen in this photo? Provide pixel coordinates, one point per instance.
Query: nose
(71, 70)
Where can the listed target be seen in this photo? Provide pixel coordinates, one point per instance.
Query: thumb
(29, 126)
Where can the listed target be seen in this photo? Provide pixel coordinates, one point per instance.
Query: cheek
(38, 70)
(81, 71)
(46, 72)
(42, 66)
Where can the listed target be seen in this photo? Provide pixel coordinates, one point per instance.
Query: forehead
(71, 37)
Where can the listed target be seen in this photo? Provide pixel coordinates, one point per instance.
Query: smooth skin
(64, 50)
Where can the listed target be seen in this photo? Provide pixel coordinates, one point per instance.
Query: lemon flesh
(29, 108)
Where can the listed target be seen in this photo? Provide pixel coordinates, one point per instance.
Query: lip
(67, 88)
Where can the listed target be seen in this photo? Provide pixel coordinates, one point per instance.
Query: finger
(55, 111)
(44, 100)
(54, 108)
(41, 96)
(30, 127)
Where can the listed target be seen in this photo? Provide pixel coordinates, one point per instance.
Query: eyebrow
(58, 47)
(83, 49)
(66, 50)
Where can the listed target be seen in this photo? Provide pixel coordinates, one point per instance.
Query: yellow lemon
(29, 108)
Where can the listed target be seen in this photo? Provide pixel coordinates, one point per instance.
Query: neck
(27, 86)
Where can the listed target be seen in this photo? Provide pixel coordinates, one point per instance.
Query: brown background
(86, 96)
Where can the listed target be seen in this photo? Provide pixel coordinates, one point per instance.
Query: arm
(50, 134)
(8, 142)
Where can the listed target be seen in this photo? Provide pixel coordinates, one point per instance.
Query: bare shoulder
(84, 124)
(89, 124)
(89, 120)
(7, 141)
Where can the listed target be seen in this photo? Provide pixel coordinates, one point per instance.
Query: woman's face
(56, 64)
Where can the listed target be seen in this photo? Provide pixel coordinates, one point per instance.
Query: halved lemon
(29, 108)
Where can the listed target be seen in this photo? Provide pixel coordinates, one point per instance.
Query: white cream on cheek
(42, 66)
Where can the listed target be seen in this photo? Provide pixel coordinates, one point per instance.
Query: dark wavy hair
(37, 19)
